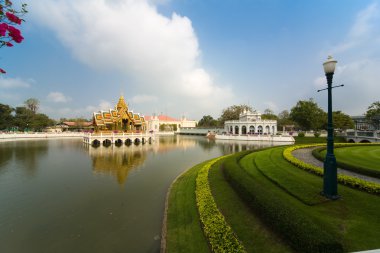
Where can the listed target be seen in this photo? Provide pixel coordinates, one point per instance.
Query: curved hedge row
(215, 228)
(343, 179)
(294, 225)
(351, 167)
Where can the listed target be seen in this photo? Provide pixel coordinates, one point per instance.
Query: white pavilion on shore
(250, 123)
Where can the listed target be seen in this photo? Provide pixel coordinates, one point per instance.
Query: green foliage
(308, 115)
(32, 104)
(168, 127)
(217, 231)
(27, 119)
(343, 179)
(373, 110)
(208, 121)
(233, 112)
(283, 119)
(6, 117)
(373, 114)
(275, 210)
(317, 134)
(342, 121)
(301, 134)
(269, 114)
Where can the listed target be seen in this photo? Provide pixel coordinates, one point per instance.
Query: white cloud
(58, 97)
(138, 99)
(161, 54)
(10, 83)
(271, 105)
(364, 31)
(358, 64)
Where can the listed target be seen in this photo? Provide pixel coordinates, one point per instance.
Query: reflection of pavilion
(117, 161)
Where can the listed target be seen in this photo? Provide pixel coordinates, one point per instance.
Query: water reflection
(26, 154)
(119, 160)
(68, 207)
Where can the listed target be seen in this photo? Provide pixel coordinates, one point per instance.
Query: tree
(207, 121)
(308, 115)
(373, 113)
(23, 117)
(9, 17)
(32, 104)
(6, 117)
(342, 121)
(27, 119)
(373, 110)
(283, 119)
(233, 112)
(269, 114)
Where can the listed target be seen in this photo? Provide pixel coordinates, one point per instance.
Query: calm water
(63, 196)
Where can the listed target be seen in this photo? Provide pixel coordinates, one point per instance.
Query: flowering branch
(9, 17)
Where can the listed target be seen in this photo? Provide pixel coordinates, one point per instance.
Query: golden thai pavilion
(119, 119)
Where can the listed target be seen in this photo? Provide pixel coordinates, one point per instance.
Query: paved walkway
(305, 154)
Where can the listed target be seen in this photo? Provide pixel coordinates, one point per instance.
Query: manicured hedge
(343, 179)
(219, 234)
(294, 225)
(347, 166)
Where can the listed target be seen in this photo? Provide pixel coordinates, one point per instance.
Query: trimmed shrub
(301, 232)
(215, 228)
(301, 134)
(317, 134)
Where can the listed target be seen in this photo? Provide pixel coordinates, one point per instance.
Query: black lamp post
(330, 181)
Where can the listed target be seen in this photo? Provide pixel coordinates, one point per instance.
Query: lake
(60, 195)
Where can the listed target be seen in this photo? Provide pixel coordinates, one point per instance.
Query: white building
(251, 123)
(154, 122)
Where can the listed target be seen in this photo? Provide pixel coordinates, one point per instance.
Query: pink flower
(3, 29)
(8, 44)
(13, 18)
(2, 71)
(15, 34)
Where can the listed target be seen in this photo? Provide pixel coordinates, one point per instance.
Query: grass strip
(360, 159)
(183, 228)
(252, 232)
(278, 209)
(301, 185)
(219, 234)
(311, 140)
(343, 179)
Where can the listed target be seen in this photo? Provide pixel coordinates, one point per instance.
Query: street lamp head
(329, 65)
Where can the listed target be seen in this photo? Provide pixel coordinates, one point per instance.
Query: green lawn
(184, 232)
(307, 140)
(362, 159)
(255, 236)
(273, 206)
(301, 184)
(363, 156)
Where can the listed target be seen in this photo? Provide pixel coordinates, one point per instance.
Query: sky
(192, 57)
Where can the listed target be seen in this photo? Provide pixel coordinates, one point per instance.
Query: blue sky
(192, 57)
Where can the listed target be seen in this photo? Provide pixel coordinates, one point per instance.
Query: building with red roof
(166, 123)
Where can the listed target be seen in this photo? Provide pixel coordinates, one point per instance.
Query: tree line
(23, 118)
(306, 115)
